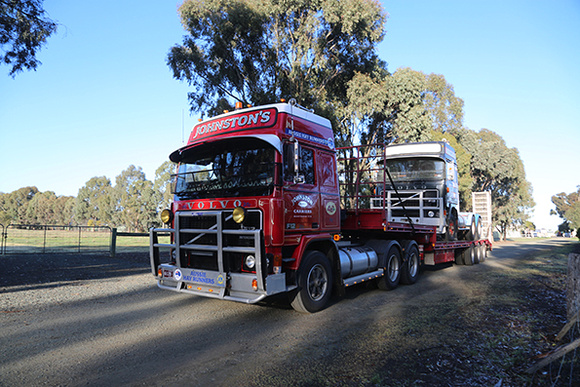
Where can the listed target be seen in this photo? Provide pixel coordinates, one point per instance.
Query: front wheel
(452, 227)
(314, 283)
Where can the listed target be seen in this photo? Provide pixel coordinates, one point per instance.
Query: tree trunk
(573, 285)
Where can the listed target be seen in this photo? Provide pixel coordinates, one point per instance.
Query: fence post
(573, 285)
(44, 243)
(80, 228)
(2, 239)
(113, 241)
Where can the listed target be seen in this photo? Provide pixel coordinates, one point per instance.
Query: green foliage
(94, 203)
(162, 184)
(406, 113)
(24, 28)
(407, 106)
(15, 204)
(29, 206)
(134, 200)
(259, 51)
(444, 108)
(500, 170)
(568, 208)
(131, 204)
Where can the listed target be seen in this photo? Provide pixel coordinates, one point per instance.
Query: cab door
(301, 193)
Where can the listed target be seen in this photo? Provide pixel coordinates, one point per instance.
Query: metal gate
(45, 239)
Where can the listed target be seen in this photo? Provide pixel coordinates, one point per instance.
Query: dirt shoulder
(74, 320)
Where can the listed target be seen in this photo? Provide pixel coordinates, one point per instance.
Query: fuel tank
(357, 260)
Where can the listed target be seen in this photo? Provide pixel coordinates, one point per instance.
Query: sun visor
(176, 156)
(271, 139)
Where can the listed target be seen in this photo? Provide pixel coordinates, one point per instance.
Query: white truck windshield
(423, 168)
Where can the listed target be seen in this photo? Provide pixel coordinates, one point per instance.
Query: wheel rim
(393, 268)
(413, 264)
(317, 282)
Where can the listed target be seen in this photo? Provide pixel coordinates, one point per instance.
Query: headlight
(166, 216)
(250, 261)
(239, 214)
(431, 214)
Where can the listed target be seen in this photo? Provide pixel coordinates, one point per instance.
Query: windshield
(228, 168)
(416, 169)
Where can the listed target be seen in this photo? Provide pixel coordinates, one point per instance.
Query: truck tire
(392, 271)
(469, 255)
(472, 233)
(459, 254)
(411, 263)
(481, 252)
(452, 227)
(314, 279)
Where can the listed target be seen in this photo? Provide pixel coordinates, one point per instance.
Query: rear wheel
(410, 268)
(477, 253)
(469, 255)
(314, 283)
(392, 275)
(482, 252)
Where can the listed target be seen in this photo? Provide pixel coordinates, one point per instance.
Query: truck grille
(213, 241)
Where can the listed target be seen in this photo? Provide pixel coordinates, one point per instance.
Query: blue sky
(104, 98)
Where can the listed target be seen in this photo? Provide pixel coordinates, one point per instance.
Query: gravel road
(93, 320)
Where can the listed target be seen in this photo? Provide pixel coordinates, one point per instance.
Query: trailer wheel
(410, 268)
(459, 254)
(392, 272)
(469, 255)
(481, 252)
(314, 283)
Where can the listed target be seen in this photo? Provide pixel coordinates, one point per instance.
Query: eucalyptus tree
(94, 203)
(258, 51)
(14, 205)
(162, 185)
(134, 200)
(24, 28)
(568, 208)
(500, 170)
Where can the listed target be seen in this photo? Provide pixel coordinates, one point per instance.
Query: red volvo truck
(265, 204)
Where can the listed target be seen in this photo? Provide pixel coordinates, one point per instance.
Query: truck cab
(423, 186)
(254, 189)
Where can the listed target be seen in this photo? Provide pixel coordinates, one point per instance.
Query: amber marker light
(255, 284)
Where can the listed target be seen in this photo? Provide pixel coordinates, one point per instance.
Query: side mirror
(292, 158)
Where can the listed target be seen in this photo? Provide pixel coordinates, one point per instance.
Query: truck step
(363, 277)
